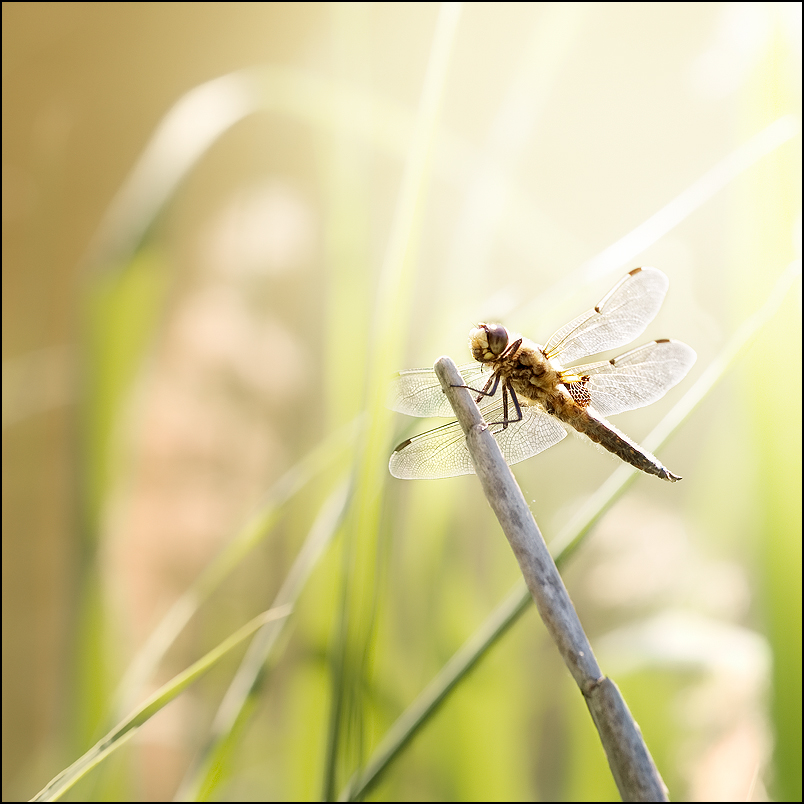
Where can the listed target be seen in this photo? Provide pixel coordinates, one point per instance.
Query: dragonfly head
(488, 342)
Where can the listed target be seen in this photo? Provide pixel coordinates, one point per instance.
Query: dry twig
(634, 771)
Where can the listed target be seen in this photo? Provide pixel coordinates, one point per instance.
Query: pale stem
(632, 766)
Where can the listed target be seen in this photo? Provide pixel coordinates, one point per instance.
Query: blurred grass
(129, 725)
(415, 569)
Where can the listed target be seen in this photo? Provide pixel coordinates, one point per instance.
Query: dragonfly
(531, 398)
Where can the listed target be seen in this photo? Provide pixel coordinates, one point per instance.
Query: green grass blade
(60, 784)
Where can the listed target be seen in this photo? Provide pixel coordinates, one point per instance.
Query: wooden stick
(631, 764)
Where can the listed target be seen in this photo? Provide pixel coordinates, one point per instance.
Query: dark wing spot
(579, 391)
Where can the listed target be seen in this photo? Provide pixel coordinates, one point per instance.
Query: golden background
(225, 224)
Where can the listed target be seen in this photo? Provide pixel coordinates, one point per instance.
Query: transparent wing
(636, 378)
(437, 453)
(417, 392)
(443, 453)
(619, 317)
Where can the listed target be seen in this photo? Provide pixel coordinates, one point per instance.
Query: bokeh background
(225, 224)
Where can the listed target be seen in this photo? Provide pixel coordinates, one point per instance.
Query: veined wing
(619, 317)
(443, 452)
(417, 392)
(636, 378)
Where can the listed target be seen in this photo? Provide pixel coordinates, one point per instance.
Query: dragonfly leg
(495, 378)
(508, 389)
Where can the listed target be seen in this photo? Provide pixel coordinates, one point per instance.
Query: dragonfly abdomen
(609, 437)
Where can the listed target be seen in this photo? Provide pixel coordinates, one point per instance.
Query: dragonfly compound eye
(497, 337)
